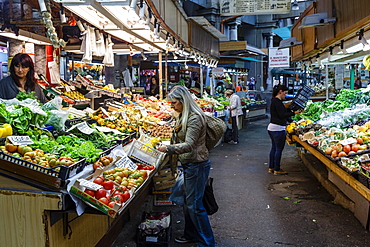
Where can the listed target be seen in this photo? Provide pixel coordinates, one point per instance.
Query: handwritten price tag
(90, 185)
(124, 116)
(84, 128)
(126, 162)
(143, 111)
(20, 140)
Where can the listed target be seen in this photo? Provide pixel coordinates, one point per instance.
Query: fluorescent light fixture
(27, 37)
(356, 48)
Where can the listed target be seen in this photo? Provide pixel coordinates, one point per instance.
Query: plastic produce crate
(52, 177)
(158, 237)
(145, 154)
(301, 98)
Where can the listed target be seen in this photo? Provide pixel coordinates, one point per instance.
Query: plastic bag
(178, 191)
(54, 104)
(57, 119)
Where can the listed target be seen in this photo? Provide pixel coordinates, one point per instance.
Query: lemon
(2, 132)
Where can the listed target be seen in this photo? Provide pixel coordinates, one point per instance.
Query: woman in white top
(235, 108)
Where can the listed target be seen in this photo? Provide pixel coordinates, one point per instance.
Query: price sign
(73, 88)
(68, 89)
(90, 185)
(20, 140)
(84, 128)
(112, 118)
(124, 116)
(104, 111)
(143, 111)
(126, 162)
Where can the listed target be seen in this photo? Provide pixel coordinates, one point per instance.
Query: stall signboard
(253, 7)
(279, 57)
(218, 72)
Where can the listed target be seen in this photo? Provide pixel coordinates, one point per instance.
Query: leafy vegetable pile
(318, 110)
(20, 117)
(67, 145)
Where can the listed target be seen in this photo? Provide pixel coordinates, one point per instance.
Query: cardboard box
(162, 200)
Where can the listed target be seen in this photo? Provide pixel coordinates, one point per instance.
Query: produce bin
(55, 177)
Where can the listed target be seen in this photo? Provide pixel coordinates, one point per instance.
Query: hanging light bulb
(131, 51)
(195, 57)
(168, 39)
(344, 51)
(186, 66)
(147, 24)
(174, 55)
(143, 55)
(142, 20)
(157, 29)
(295, 5)
(330, 53)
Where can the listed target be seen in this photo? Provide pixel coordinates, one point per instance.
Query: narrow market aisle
(261, 209)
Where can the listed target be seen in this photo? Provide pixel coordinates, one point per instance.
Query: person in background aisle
(21, 78)
(358, 83)
(235, 108)
(276, 129)
(220, 89)
(154, 87)
(189, 143)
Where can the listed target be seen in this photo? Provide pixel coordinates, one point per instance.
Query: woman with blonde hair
(189, 143)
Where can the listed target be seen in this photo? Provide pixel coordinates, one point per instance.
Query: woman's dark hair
(277, 89)
(26, 61)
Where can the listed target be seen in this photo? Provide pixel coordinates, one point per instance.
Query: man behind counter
(22, 78)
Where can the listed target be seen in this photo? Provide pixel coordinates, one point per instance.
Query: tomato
(346, 148)
(334, 154)
(10, 147)
(117, 198)
(108, 185)
(90, 192)
(359, 140)
(100, 193)
(104, 200)
(112, 204)
(126, 196)
(341, 154)
(355, 147)
(97, 164)
(104, 161)
(99, 180)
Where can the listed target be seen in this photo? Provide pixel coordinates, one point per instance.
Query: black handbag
(209, 200)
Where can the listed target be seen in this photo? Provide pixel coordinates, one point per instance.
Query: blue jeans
(197, 225)
(278, 143)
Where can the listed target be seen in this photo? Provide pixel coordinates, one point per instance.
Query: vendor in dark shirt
(22, 78)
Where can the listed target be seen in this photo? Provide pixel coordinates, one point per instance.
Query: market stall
(337, 133)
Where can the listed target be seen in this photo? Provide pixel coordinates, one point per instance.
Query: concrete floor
(260, 209)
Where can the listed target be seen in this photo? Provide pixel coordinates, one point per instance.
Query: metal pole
(327, 81)
(201, 80)
(160, 76)
(352, 77)
(166, 73)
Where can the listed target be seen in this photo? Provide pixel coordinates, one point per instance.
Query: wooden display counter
(35, 217)
(358, 193)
